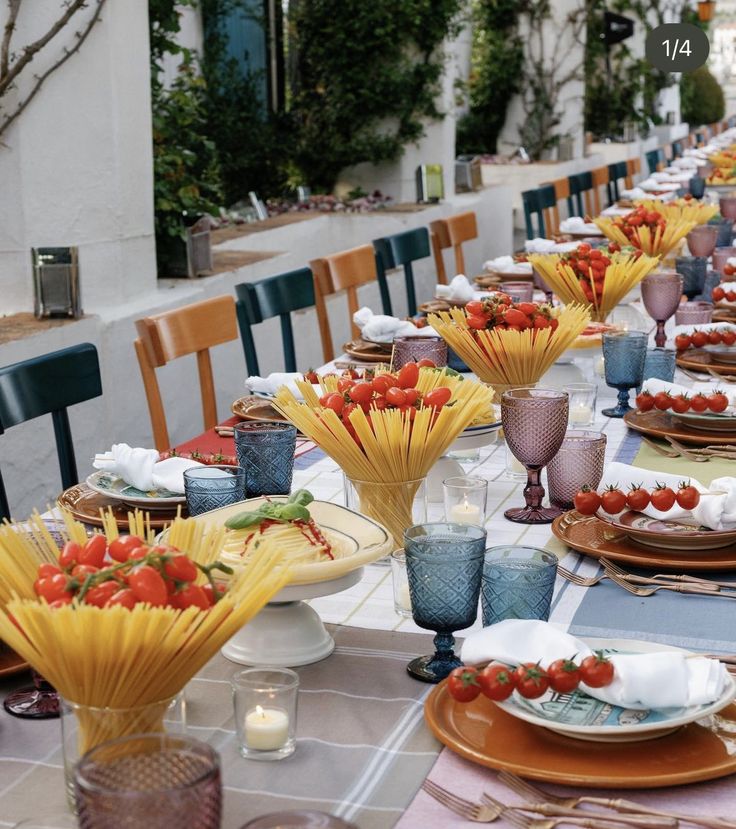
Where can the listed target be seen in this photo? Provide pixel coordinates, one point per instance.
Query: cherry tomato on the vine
(123, 546)
(462, 683)
(496, 681)
(663, 498)
(564, 676)
(596, 670)
(587, 501)
(531, 680)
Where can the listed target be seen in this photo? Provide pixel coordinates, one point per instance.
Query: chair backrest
(600, 178)
(48, 385)
(616, 172)
(193, 329)
(462, 227)
(439, 236)
(633, 168)
(347, 271)
(655, 159)
(276, 296)
(581, 187)
(562, 191)
(676, 149)
(533, 207)
(402, 249)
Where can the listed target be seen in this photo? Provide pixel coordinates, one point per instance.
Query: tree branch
(81, 37)
(14, 7)
(33, 48)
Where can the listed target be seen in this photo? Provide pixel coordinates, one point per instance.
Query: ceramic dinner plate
(722, 353)
(700, 360)
(595, 538)
(104, 483)
(368, 352)
(706, 422)
(674, 535)
(85, 505)
(586, 718)
(254, 407)
(662, 424)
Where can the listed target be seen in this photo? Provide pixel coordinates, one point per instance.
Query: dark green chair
(676, 150)
(532, 202)
(617, 172)
(654, 157)
(276, 296)
(581, 184)
(395, 251)
(48, 385)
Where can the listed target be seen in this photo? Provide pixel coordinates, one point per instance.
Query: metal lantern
(430, 186)
(56, 282)
(468, 174)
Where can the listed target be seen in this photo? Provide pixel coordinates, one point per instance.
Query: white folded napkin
(272, 383)
(506, 264)
(379, 328)
(634, 193)
(459, 289)
(677, 176)
(654, 384)
(652, 185)
(540, 245)
(718, 511)
(616, 211)
(576, 224)
(661, 679)
(142, 468)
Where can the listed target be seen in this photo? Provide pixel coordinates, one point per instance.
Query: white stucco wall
(76, 168)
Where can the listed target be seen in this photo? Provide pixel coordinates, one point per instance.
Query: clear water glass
(661, 293)
(152, 780)
(266, 454)
(579, 461)
(465, 500)
(694, 313)
(693, 270)
(413, 349)
(211, 487)
(582, 398)
(444, 564)
(400, 579)
(624, 354)
(265, 705)
(517, 584)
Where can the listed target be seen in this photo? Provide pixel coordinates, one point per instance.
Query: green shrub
(701, 97)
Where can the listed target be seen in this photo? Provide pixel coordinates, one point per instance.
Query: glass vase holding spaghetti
(116, 624)
(387, 432)
(510, 344)
(596, 278)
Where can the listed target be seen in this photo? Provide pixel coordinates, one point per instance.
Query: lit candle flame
(260, 712)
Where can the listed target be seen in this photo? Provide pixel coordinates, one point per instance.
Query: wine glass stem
(533, 491)
(444, 645)
(623, 399)
(660, 338)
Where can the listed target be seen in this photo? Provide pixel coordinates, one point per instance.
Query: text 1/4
(679, 48)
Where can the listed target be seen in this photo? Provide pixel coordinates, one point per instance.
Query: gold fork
(692, 589)
(475, 812)
(558, 815)
(611, 566)
(659, 578)
(534, 794)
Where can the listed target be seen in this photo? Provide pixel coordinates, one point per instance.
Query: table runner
(362, 748)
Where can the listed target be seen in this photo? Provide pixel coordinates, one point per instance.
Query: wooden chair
(532, 204)
(655, 160)
(48, 385)
(439, 237)
(562, 193)
(451, 233)
(600, 177)
(617, 172)
(633, 168)
(344, 271)
(193, 329)
(276, 296)
(676, 150)
(581, 189)
(402, 249)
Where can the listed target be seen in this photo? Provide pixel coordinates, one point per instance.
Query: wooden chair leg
(153, 397)
(207, 389)
(438, 260)
(459, 259)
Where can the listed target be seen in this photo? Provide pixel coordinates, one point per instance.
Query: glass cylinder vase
(395, 505)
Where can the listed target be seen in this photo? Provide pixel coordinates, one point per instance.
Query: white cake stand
(288, 632)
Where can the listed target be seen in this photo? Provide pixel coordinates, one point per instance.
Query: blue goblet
(624, 354)
(444, 565)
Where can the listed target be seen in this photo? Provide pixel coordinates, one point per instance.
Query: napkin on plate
(142, 468)
(654, 384)
(379, 328)
(459, 289)
(540, 245)
(652, 185)
(271, 384)
(576, 224)
(507, 264)
(661, 679)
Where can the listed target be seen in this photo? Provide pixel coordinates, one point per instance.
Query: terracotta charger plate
(482, 733)
(368, 352)
(593, 537)
(256, 408)
(10, 662)
(84, 504)
(660, 424)
(703, 361)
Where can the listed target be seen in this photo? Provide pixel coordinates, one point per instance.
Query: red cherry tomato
(47, 569)
(412, 395)
(637, 499)
(212, 596)
(361, 392)
(663, 498)
(181, 568)
(408, 376)
(728, 337)
(681, 404)
(52, 588)
(335, 401)
(587, 501)
(396, 397)
(191, 596)
(717, 402)
(564, 676)
(687, 496)
(699, 338)
(81, 571)
(425, 362)
(100, 594)
(662, 400)
(531, 680)
(596, 670)
(93, 552)
(682, 341)
(714, 337)
(496, 681)
(69, 554)
(148, 585)
(381, 384)
(125, 598)
(474, 308)
(123, 546)
(462, 684)
(437, 398)
(644, 401)
(699, 403)
(613, 500)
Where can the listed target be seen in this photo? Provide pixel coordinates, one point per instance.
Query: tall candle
(266, 729)
(465, 513)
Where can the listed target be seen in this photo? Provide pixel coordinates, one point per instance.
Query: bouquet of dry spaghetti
(113, 623)
(647, 230)
(386, 433)
(690, 210)
(510, 344)
(599, 279)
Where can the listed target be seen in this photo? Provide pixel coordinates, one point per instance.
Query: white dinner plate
(707, 422)
(112, 486)
(585, 718)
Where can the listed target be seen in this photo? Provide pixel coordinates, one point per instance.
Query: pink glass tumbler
(701, 240)
(661, 293)
(534, 423)
(579, 462)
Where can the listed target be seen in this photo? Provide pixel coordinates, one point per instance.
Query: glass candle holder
(659, 363)
(444, 563)
(582, 398)
(413, 349)
(402, 599)
(266, 453)
(152, 780)
(661, 292)
(721, 256)
(701, 240)
(394, 505)
(579, 461)
(694, 313)
(465, 500)
(693, 270)
(519, 291)
(517, 584)
(212, 487)
(624, 354)
(83, 727)
(534, 423)
(265, 703)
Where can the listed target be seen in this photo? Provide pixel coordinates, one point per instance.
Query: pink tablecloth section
(714, 799)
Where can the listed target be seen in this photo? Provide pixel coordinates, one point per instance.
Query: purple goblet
(38, 703)
(701, 240)
(661, 293)
(534, 422)
(579, 462)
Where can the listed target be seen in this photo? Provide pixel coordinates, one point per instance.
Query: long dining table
(363, 748)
